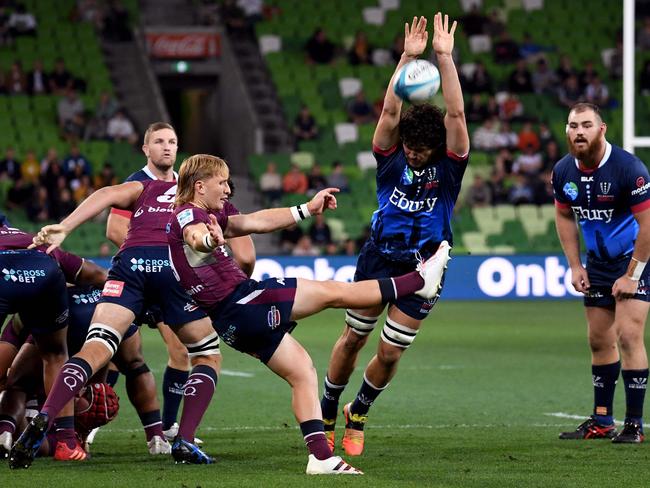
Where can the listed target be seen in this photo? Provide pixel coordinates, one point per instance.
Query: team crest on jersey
(407, 176)
(605, 186)
(273, 317)
(571, 190)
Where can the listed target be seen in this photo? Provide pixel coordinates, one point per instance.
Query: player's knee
(630, 340)
(204, 348)
(105, 335)
(398, 337)
(360, 325)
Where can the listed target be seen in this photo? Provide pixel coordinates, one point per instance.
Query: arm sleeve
(560, 199)
(637, 186)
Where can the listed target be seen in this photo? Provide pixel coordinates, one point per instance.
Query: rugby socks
(112, 376)
(314, 434)
(393, 288)
(64, 431)
(71, 379)
(636, 382)
(361, 404)
(152, 424)
(604, 377)
(197, 393)
(7, 424)
(329, 404)
(172, 387)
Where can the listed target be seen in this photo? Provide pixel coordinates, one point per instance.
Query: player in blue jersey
(160, 146)
(607, 190)
(421, 158)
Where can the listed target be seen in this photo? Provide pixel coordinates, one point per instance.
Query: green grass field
(472, 406)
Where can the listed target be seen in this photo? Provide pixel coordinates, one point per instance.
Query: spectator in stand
(527, 137)
(61, 81)
(332, 249)
(529, 163)
(485, 137)
(22, 22)
(494, 26)
(295, 181)
(616, 61)
(315, 180)
(500, 184)
(492, 107)
(545, 134)
(359, 110)
(38, 208)
(505, 50)
(73, 161)
(319, 48)
(119, 128)
(479, 194)
(9, 166)
(304, 247)
(530, 51)
(304, 127)
(587, 75)
(69, 106)
(19, 194)
(473, 21)
(50, 176)
(361, 51)
(597, 92)
(544, 79)
(503, 161)
(81, 187)
(350, 247)
(570, 92)
(3, 79)
(51, 157)
(520, 80)
(565, 69)
(480, 81)
(30, 169)
(289, 237)
(319, 232)
(521, 191)
(235, 19)
(73, 129)
(511, 108)
(476, 111)
(64, 204)
(643, 36)
(106, 108)
(397, 48)
(38, 81)
(337, 178)
(543, 188)
(116, 22)
(106, 177)
(271, 184)
(551, 155)
(644, 79)
(16, 80)
(105, 250)
(506, 137)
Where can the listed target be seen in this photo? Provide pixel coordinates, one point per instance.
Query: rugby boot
(25, 448)
(432, 271)
(591, 429)
(632, 433)
(353, 436)
(331, 465)
(185, 452)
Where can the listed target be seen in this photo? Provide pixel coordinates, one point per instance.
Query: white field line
(240, 374)
(563, 415)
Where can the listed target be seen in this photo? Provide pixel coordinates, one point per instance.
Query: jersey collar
(153, 177)
(608, 152)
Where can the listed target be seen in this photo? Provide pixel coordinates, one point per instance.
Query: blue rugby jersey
(415, 205)
(604, 200)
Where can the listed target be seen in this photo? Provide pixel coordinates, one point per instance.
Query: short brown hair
(195, 168)
(584, 106)
(154, 127)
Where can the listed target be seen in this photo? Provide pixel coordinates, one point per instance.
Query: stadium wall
(521, 277)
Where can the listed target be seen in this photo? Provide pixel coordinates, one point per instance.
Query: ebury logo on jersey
(571, 190)
(87, 297)
(398, 198)
(22, 275)
(148, 265)
(593, 214)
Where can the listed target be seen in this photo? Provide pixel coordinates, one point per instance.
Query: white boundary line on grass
(241, 374)
(563, 415)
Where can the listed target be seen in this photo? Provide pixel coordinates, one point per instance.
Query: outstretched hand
(323, 200)
(215, 231)
(51, 236)
(415, 37)
(443, 37)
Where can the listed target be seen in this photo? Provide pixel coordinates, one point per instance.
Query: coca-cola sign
(183, 45)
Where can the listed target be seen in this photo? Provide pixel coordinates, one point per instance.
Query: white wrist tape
(208, 242)
(300, 212)
(638, 270)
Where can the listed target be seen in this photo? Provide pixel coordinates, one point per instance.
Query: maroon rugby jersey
(207, 277)
(70, 264)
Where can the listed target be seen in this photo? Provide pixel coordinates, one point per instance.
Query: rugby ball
(417, 81)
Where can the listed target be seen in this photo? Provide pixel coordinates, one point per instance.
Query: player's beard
(163, 164)
(589, 154)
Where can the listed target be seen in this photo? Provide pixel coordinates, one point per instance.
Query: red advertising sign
(188, 45)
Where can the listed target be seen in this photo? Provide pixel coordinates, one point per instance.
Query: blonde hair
(195, 168)
(154, 127)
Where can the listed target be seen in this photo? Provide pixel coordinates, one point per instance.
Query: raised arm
(443, 45)
(121, 196)
(415, 42)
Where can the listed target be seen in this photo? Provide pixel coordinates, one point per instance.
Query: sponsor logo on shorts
(190, 307)
(148, 265)
(229, 335)
(22, 275)
(87, 297)
(273, 317)
(113, 288)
